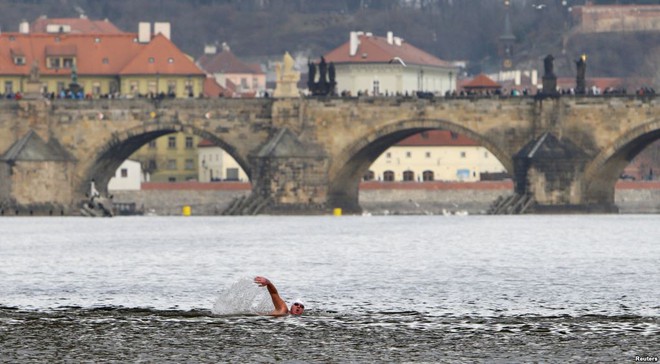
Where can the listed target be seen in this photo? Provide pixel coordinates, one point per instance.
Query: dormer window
(67, 62)
(106, 60)
(19, 61)
(97, 40)
(54, 63)
(151, 60)
(170, 60)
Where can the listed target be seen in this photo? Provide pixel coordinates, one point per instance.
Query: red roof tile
(78, 25)
(213, 89)
(481, 82)
(163, 57)
(374, 49)
(438, 138)
(226, 62)
(106, 54)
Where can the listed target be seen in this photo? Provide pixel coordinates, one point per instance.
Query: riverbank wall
(376, 198)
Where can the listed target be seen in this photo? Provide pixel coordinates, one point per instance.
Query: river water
(377, 289)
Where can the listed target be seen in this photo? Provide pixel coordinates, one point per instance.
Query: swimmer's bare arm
(278, 302)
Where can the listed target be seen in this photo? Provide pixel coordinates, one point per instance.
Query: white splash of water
(243, 297)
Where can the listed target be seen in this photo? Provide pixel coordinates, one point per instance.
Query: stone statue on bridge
(286, 78)
(581, 83)
(322, 87)
(548, 66)
(549, 78)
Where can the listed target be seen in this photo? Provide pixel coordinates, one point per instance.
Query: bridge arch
(354, 161)
(603, 172)
(123, 144)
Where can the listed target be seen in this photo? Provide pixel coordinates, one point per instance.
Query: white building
(388, 65)
(217, 165)
(434, 155)
(127, 177)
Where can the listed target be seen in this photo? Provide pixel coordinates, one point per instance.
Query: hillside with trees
(449, 29)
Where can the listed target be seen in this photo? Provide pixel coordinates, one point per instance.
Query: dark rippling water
(380, 289)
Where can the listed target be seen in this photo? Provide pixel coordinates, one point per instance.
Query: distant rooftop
(73, 25)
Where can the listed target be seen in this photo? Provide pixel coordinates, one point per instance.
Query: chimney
(162, 28)
(390, 38)
(225, 47)
(144, 32)
(398, 41)
(354, 43)
(24, 27)
(210, 49)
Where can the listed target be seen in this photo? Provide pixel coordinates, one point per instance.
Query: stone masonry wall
(374, 201)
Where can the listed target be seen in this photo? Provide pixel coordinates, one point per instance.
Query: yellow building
(171, 158)
(435, 155)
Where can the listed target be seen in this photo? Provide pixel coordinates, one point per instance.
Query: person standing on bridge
(297, 308)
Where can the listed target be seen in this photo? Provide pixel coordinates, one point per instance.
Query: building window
(133, 87)
(152, 144)
(60, 86)
(388, 155)
(171, 142)
(428, 154)
(369, 176)
(190, 164)
(152, 165)
(67, 62)
(53, 63)
(427, 176)
(171, 179)
(486, 154)
(232, 174)
(244, 83)
(463, 154)
(9, 87)
(151, 87)
(171, 88)
(19, 61)
(376, 88)
(189, 142)
(388, 176)
(189, 88)
(124, 172)
(171, 164)
(408, 154)
(255, 83)
(408, 176)
(96, 88)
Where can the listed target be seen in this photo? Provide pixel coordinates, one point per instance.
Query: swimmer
(297, 308)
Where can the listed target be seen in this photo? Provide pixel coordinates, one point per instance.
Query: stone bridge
(308, 155)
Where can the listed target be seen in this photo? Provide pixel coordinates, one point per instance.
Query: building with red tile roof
(105, 63)
(231, 73)
(388, 65)
(481, 82)
(81, 25)
(435, 155)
